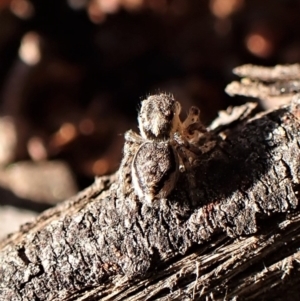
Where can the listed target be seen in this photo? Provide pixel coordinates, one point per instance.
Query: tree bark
(229, 230)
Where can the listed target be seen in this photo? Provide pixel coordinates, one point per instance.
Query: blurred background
(73, 72)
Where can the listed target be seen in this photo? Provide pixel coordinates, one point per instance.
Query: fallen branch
(233, 232)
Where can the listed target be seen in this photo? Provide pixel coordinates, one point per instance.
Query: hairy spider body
(158, 156)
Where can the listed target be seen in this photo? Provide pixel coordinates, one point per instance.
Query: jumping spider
(165, 147)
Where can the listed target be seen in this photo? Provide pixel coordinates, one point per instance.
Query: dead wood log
(233, 233)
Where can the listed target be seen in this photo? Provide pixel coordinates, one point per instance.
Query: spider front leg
(192, 127)
(133, 137)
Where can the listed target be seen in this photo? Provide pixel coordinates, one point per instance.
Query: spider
(165, 147)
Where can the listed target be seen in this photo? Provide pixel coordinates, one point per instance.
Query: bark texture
(229, 230)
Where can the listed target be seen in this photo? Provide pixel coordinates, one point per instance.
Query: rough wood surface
(233, 233)
(269, 84)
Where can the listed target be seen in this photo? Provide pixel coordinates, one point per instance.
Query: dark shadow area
(8, 198)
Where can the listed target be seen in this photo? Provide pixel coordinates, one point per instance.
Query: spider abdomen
(154, 170)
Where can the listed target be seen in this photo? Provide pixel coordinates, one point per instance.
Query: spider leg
(186, 162)
(131, 145)
(131, 136)
(186, 158)
(187, 153)
(193, 117)
(181, 142)
(192, 127)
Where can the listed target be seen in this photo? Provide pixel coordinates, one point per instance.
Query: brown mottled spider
(165, 147)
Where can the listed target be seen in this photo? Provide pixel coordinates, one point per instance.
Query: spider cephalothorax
(158, 117)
